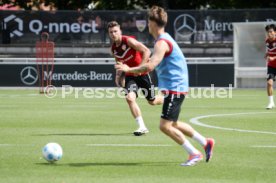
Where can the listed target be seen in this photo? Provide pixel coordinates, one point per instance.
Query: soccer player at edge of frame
(171, 68)
(129, 51)
(270, 57)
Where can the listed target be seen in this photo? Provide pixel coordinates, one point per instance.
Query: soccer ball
(52, 152)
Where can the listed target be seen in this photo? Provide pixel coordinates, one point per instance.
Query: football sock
(199, 138)
(140, 122)
(189, 148)
(271, 101)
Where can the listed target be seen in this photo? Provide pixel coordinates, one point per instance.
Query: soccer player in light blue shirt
(171, 68)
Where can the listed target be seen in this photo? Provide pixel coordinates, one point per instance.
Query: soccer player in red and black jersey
(271, 62)
(131, 52)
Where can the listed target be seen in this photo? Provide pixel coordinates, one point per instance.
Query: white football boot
(270, 106)
(140, 131)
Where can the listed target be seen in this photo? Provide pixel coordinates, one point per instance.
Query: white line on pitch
(15, 145)
(6, 145)
(263, 146)
(19, 95)
(197, 122)
(129, 145)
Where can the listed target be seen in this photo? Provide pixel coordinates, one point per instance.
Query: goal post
(249, 51)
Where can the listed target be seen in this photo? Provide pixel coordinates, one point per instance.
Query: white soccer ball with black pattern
(52, 152)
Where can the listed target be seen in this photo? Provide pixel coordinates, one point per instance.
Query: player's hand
(270, 59)
(137, 74)
(121, 67)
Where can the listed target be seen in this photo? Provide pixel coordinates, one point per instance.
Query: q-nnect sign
(37, 26)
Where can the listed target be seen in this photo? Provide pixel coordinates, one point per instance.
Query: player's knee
(270, 83)
(130, 98)
(164, 128)
(175, 124)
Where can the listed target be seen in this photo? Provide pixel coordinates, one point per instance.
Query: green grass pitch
(84, 127)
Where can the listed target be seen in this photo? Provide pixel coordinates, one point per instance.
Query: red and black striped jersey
(271, 51)
(125, 54)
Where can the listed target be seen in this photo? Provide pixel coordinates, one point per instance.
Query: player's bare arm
(119, 77)
(140, 47)
(160, 48)
(266, 55)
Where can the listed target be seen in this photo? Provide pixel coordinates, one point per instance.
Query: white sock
(271, 101)
(140, 122)
(190, 148)
(199, 138)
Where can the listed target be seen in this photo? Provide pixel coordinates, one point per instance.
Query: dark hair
(112, 24)
(158, 15)
(271, 26)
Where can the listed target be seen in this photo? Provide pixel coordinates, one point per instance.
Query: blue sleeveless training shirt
(172, 71)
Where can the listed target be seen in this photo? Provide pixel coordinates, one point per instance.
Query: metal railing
(193, 60)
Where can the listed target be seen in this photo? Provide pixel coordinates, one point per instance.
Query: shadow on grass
(49, 164)
(111, 164)
(84, 134)
(123, 164)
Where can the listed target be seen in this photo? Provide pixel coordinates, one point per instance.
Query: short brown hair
(112, 24)
(158, 15)
(271, 26)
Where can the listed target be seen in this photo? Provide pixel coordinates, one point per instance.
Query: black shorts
(134, 83)
(172, 106)
(271, 73)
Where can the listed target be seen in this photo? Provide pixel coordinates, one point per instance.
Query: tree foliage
(144, 4)
(186, 4)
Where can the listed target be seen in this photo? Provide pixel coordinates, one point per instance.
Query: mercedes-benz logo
(29, 75)
(184, 25)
